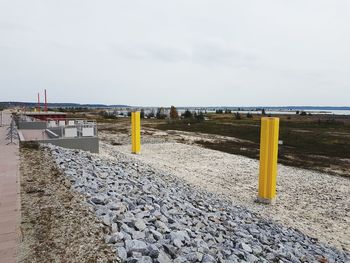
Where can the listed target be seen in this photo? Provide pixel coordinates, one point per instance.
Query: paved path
(9, 194)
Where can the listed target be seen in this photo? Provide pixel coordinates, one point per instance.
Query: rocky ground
(56, 225)
(154, 216)
(316, 203)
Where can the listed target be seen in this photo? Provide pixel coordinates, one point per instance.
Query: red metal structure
(38, 101)
(45, 102)
(45, 114)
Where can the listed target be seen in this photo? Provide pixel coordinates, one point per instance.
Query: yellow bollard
(268, 160)
(135, 132)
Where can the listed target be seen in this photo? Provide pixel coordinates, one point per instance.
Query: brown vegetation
(56, 226)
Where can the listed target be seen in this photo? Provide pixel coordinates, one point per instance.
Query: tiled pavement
(9, 195)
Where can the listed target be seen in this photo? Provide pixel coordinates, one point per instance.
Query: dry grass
(56, 226)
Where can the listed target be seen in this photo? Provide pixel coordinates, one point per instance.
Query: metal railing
(12, 133)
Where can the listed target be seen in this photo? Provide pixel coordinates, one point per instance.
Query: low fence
(68, 133)
(73, 134)
(74, 129)
(29, 123)
(90, 144)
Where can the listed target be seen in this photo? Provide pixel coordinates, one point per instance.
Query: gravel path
(315, 203)
(156, 217)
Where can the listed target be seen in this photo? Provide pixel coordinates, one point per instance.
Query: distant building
(57, 129)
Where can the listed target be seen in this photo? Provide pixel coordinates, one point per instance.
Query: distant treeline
(10, 104)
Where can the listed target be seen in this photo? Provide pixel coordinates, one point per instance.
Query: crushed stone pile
(155, 217)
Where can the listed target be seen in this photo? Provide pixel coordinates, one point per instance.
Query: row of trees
(173, 114)
(228, 111)
(221, 111)
(161, 113)
(303, 113)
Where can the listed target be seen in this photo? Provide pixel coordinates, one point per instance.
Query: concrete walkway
(9, 194)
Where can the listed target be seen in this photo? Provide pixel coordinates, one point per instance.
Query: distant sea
(330, 112)
(276, 110)
(341, 112)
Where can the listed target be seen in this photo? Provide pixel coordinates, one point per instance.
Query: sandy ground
(56, 225)
(119, 134)
(317, 204)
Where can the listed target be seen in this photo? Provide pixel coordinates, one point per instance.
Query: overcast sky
(179, 52)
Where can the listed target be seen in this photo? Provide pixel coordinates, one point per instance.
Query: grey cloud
(204, 53)
(9, 26)
(168, 54)
(214, 53)
(153, 52)
(80, 51)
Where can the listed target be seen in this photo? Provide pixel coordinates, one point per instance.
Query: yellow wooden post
(135, 132)
(268, 159)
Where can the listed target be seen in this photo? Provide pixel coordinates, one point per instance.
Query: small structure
(55, 128)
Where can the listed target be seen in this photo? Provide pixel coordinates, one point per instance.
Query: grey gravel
(155, 217)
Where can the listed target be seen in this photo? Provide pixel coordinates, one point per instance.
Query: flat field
(317, 142)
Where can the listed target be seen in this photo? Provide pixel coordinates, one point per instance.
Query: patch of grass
(308, 142)
(313, 162)
(30, 145)
(242, 131)
(307, 137)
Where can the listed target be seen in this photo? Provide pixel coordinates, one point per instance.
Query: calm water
(335, 112)
(292, 112)
(341, 112)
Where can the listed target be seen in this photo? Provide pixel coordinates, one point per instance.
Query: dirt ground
(56, 226)
(313, 202)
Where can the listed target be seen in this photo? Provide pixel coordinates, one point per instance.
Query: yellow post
(268, 159)
(135, 132)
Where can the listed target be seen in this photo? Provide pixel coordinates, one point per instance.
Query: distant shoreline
(247, 108)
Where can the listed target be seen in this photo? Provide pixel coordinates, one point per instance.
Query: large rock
(117, 237)
(153, 251)
(162, 227)
(136, 246)
(163, 258)
(177, 243)
(98, 200)
(122, 254)
(138, 235)
(208, 259)
(157, 235)
(180, 235)
(140, 224)
(145, 259)
(246, 247)
(194, 257)
(170, 250)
